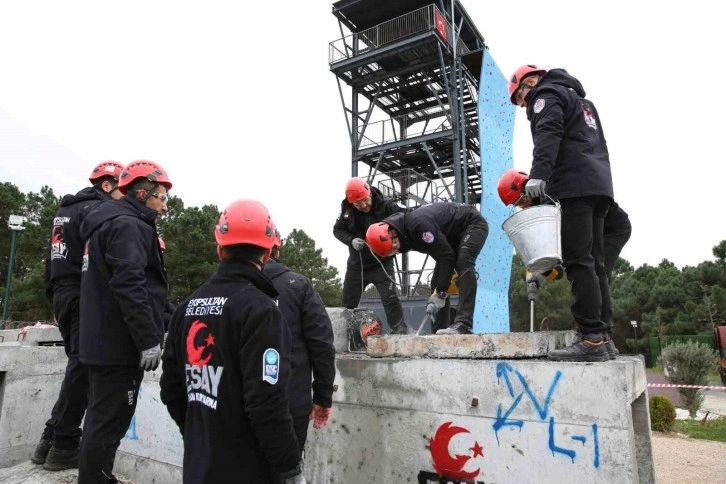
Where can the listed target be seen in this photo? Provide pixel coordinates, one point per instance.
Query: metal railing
(402, 127)
(422, 20)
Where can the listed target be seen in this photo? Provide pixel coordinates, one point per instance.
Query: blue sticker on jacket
(270, 366)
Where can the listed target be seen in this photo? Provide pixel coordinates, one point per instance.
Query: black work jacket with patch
(65, 251)
(313, 353)
(570, 152)
(436, 229)
(219, 384)
(123, 283)
(352, 224)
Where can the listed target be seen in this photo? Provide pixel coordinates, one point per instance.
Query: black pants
(301, 423)
(64, 425)
(583, 256)
(467, 250)
(112, 403)
(382, 279)
(617, 230)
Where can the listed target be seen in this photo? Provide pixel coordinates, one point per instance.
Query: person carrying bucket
(616, 233)
(362, 206)
(453, 234)
(571, 164)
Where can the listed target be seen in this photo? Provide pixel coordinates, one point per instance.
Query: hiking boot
(59, 459)
(588, 347)
(401, 328)
(41, 450)
(610, 347)
(456, 328)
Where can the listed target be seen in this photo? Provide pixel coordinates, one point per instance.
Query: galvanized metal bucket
(535, 234)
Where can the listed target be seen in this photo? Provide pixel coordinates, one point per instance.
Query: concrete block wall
(399, 419)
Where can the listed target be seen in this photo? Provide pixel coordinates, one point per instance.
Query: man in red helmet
(226, 364)
(362, 206)
(453, 234)
(313, 353)
(616, 233)
(124, 295)
(58, 445)
(571, 164)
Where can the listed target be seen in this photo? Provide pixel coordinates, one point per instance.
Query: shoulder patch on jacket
(428, 237)
(539, 105)
(270, 366)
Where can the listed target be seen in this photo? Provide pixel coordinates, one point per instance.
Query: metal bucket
(535, 234)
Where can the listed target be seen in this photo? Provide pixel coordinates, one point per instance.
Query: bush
(662, 413)
(689, 364)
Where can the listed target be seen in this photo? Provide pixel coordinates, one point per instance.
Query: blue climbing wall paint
(494, 265)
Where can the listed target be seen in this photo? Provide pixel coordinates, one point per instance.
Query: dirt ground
(683, 460)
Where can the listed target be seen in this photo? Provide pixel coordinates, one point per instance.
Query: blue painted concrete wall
(496, 132)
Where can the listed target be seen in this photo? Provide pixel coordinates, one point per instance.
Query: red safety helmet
(106, 168)
(378, 239)
(356, 190)
(153, 172)
(511, 186)
(162, 244)
(246, 221)
(519, 75)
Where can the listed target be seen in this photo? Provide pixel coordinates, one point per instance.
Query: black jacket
(436, 229)
(65, 251)
(221, 383)
(570, 151)
(353, 223)
(312, 338)
(123, 282)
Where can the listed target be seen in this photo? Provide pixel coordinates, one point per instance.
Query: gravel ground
(683, 460)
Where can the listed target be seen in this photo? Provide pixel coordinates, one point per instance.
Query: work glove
(320, 416)
(535, 188)
(294, 476)
(150, 358)
(436, 302)
(358, 244)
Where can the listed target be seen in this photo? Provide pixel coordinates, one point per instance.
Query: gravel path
(684, 460)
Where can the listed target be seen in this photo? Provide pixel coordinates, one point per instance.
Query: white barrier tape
(668, 385)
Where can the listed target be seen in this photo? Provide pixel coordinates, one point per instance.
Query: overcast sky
(235, 99)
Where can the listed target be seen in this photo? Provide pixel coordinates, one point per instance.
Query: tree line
(663, 299)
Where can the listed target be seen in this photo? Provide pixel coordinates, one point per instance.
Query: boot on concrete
(456, 328)
(400, 328)
(59, 459)
(610, 347)
(41, 450)
(588, 347)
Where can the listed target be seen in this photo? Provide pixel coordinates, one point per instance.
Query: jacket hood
(110, 209)
(274, 269)
(396, 221)
(88, 193)
(562, 78)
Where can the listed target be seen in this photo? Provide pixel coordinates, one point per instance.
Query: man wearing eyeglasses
(123, 300)
(58, 445)
(365, 205)
(571, 164)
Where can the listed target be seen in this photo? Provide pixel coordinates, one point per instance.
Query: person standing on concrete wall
(59, 444)
(571, 164)
(362, 206)
(616, 233)
(124, 294)
(453, 234)
(226, 364)
(313, 353)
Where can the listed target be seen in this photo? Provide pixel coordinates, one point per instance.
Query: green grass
(704, 430)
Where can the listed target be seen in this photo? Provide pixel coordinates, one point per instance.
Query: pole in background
(15, 223)
(634, 324)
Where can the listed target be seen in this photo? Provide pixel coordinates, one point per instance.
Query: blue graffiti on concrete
(506, 373)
